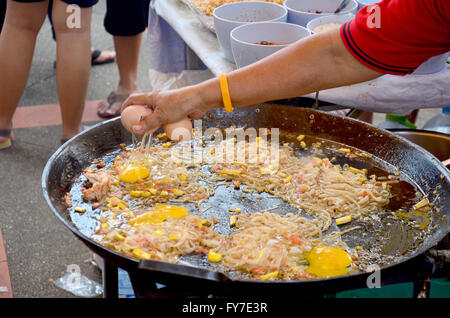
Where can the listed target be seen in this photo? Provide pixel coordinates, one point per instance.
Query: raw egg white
(132, 116)
(181, 130)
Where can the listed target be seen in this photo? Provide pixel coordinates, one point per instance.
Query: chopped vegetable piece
(121, 206)
(173, 236)
(257, 270)
(296, 240)
(300, 137)
(344, 220)
(201, 250)
(214, 257)
(421, 204)
(269, 275)
(79, 209)
(233, 220)
(119, 237)
(136, 194)
(140, 254)
(178, 192)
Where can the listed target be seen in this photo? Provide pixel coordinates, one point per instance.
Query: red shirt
(396, 36)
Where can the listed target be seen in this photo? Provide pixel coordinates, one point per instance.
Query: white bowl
(229, 16)
(302, 11)
(244, 39)
(335, 18)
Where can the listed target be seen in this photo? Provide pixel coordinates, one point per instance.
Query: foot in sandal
(6, 138)
(111, 107)
(102, 57)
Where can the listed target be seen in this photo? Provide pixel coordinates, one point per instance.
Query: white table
(389, 93)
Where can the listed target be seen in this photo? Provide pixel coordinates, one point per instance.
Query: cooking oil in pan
(386, 237)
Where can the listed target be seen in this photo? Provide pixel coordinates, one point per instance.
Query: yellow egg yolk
(327, 261)
(133, 173)
(160, 213)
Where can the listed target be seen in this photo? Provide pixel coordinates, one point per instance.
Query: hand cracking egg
(133, 115)
(178, 131)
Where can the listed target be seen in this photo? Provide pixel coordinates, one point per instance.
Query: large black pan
(420, 167)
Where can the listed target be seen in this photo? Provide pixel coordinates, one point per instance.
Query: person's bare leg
(127, 57)
(73, 60)
(22, 24)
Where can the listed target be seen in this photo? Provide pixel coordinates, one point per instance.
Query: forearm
(315, 63)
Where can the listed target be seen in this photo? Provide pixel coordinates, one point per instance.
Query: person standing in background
(24, 19)
(126, 21)
(2, 13)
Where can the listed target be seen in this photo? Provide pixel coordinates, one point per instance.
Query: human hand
(168, 107)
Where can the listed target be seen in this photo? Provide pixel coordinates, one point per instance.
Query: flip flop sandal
(96, 54)
(6, 134)
(112, 99)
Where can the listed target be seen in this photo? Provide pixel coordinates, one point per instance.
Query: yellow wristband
(225, 93)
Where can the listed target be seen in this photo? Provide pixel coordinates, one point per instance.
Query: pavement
(38, 247)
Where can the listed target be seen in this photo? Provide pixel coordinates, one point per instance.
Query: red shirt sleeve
(396, 36)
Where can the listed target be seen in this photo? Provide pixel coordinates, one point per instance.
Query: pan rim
(419, 251)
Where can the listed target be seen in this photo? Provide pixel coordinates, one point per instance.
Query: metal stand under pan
(146, 284)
